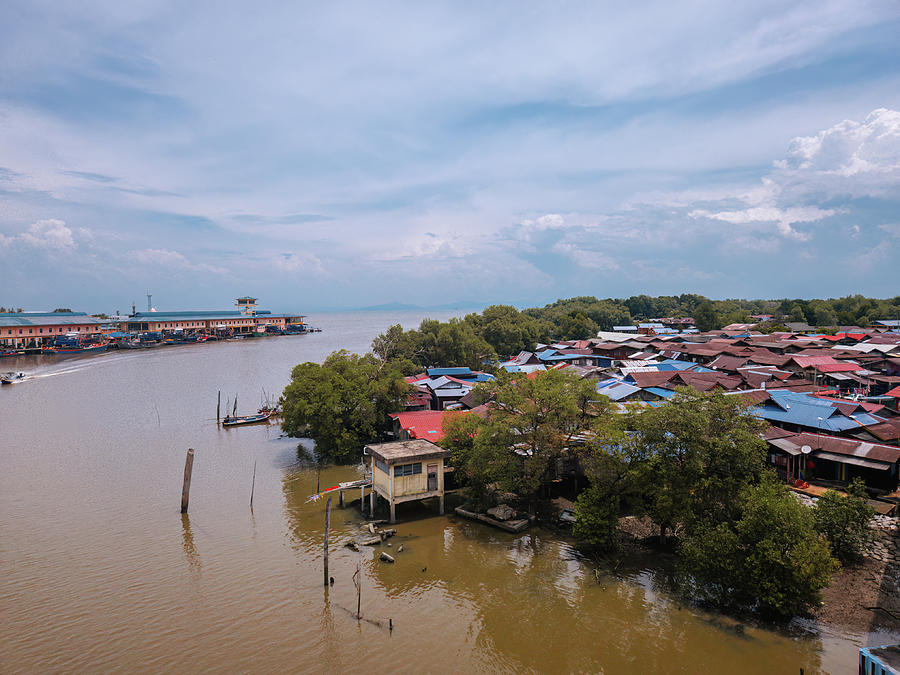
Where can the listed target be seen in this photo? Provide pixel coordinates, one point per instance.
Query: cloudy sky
(349, 154)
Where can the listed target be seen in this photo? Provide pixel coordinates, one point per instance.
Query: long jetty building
(36, 330)
(247, 319)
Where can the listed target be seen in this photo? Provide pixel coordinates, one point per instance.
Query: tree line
(503, 331)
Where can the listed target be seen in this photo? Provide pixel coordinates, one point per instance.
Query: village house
(404, 471)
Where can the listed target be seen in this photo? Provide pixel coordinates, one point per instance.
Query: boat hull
(245, 419)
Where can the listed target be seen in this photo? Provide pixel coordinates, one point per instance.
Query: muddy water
(100, 572)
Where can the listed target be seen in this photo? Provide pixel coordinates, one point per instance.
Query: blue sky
(328, 155)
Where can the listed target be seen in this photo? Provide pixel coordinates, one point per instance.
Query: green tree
(844, 520)
(343, 403)
(796, 315)
(454, 343)
(700, 449)
(614, 467)
(509, 331)
(399, 347)
(769, 560)
(705, 317)
(530, 426)
(597, 518)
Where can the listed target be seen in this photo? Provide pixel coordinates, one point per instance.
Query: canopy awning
(858, 461)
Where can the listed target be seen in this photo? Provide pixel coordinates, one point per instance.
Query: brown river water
(99, 572)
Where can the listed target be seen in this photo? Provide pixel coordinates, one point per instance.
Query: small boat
(11, 378)
(238, 420)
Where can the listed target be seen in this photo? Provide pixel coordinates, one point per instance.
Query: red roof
(895, 392)
(426, 424)
(838, 368)
(808, 361)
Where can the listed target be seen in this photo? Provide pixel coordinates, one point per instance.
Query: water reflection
(190, 550)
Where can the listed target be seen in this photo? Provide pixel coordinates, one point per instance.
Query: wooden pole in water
(327, 527)
(234, 412)
(341, 500)
(253, 485)
(186, 487)
(219, 406)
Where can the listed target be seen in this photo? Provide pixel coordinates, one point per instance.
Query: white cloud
(586, 258)
(299, 262)
(50, 234)
(783, 218)
(161, 257)
(892, 229)
(855, 159)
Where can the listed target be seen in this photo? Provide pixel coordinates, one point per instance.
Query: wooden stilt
(327, 528)
(186, 486)
(341, 499)
(372, 498)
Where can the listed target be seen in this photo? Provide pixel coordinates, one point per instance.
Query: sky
(340, 155)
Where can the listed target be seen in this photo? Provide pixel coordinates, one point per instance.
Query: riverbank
(862, 597)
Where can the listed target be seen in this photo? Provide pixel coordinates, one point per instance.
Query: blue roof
(659, 391)
(866, 419)
(619, 391)
(455, 372)
(202, 314)
(677, 364)
(803, 410)
(25, 315)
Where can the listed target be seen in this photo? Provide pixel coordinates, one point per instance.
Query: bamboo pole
(219, 406)
(234, 412)
(357, 581)
(186, 487)
(253, 485)
(327, 527)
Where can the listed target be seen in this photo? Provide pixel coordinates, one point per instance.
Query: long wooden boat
(239, 420)
(86, 349)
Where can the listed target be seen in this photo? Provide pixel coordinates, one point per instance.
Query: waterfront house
(833, 458)
(404, 471)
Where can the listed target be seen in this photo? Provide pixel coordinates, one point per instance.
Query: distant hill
(400, 306)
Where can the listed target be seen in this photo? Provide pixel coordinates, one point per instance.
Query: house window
(381, 465)
(407, 469)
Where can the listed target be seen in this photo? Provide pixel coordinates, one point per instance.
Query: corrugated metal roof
(47, 319)
(198, 315)
(437, 372)
(858, 461)
(619, 391)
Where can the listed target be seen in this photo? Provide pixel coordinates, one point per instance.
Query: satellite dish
(806, 449)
